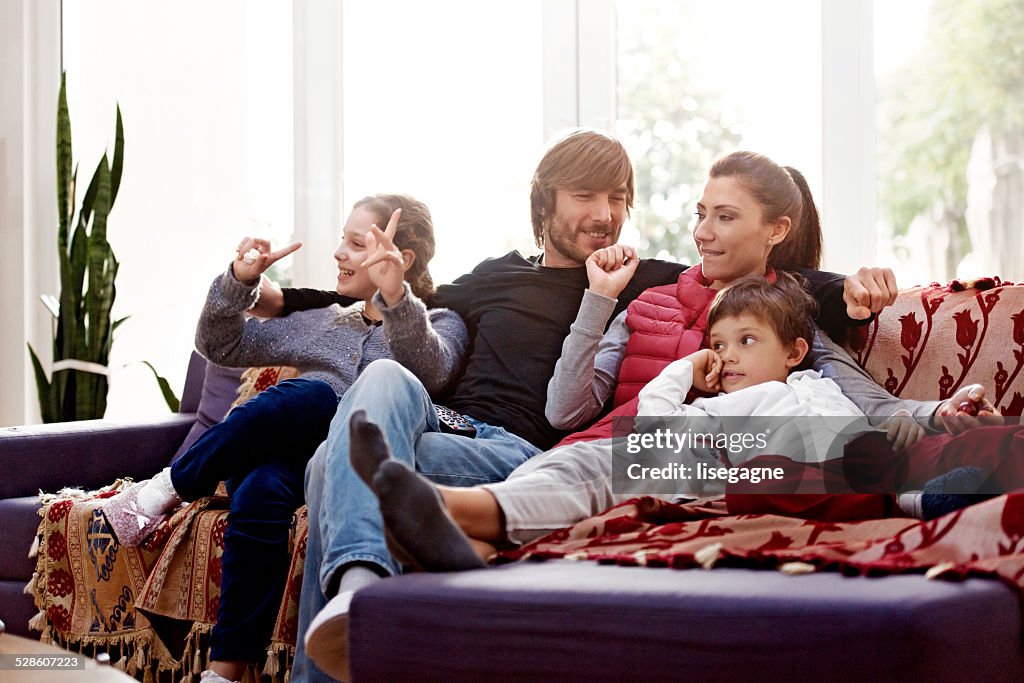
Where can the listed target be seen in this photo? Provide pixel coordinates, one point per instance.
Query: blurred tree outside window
(950, 117)
(699, 79)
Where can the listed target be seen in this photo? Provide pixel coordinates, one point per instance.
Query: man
(519, 312)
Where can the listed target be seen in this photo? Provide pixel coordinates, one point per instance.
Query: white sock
(356, 577)
(910, 503)
(157, 495)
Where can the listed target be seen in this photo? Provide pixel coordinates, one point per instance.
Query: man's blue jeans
(345, 524)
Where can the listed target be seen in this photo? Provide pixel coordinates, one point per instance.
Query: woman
(262, 447)
(754, 217)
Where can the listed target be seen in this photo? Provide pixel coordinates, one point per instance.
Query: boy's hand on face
(610, 269)
(966, 409)
(902, 430)
(707, 369)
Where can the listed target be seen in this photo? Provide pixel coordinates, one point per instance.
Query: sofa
(564, 619)
(87, 454)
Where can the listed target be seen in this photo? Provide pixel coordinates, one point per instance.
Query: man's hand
(868, 291)
(707, 370)
(966, 409)
(609, 270)
(902, 430)
(271, 301)
(254, 256)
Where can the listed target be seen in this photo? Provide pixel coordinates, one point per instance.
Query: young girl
(262, 447)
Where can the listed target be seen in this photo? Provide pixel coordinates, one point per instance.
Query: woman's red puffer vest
(666, 323)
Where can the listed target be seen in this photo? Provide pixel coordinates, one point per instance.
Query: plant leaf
(46, 407)
(90, 196)
(117, 163)
(165, 388)
(97, 299)
(73, 318)
(64, 201)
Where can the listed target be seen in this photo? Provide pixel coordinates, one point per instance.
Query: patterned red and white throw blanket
(982, 540)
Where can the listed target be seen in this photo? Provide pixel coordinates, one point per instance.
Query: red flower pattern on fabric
(158, 538)
(215, 571)
(1001, 374)
(910, 336)
(60, 583)
(1016, 406)
(945, 382)
(59, 616)
(219, 527)
(891, 383)
(1013, 516)
(57, 546)
(1018, 327)
(59, 510)
(966, 329)
(858, 338)
(212, 605)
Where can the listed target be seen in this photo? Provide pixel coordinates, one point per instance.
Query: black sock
(415, 516)
(367, 448)
(952, 491)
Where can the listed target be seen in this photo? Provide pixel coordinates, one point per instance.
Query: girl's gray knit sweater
(332, 344)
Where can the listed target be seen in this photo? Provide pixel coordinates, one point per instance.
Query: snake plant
(84, 327)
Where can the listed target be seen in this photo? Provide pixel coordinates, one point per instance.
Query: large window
(277, 116)
(950, 92)
(443, 102)
(446, 105)
(697, 79)
(206, 94)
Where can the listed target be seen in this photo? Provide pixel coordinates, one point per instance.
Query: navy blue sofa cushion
(558, 621)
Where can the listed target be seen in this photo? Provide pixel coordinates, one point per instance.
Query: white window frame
(848, 199)
(30, 72)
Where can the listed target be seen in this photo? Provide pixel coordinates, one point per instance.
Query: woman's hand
(254, 256)
(707, 370)
(868, 291)
(902, 430)
(966, 409)
(385, 264)
(610, 269)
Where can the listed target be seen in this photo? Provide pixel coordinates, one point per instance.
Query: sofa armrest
(86, 454)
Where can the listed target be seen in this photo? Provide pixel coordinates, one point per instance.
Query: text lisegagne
(704, 472)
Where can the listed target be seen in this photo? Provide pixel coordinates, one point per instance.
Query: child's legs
(996, 451)
(555, 490)
(288, 420)
(780, 497)
(255, 563)
(476, 511)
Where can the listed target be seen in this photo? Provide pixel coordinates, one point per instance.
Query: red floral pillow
(935, 339)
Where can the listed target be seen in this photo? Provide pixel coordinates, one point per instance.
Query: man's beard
(563, 239)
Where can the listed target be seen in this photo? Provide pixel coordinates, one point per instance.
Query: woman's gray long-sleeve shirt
(332, 344)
